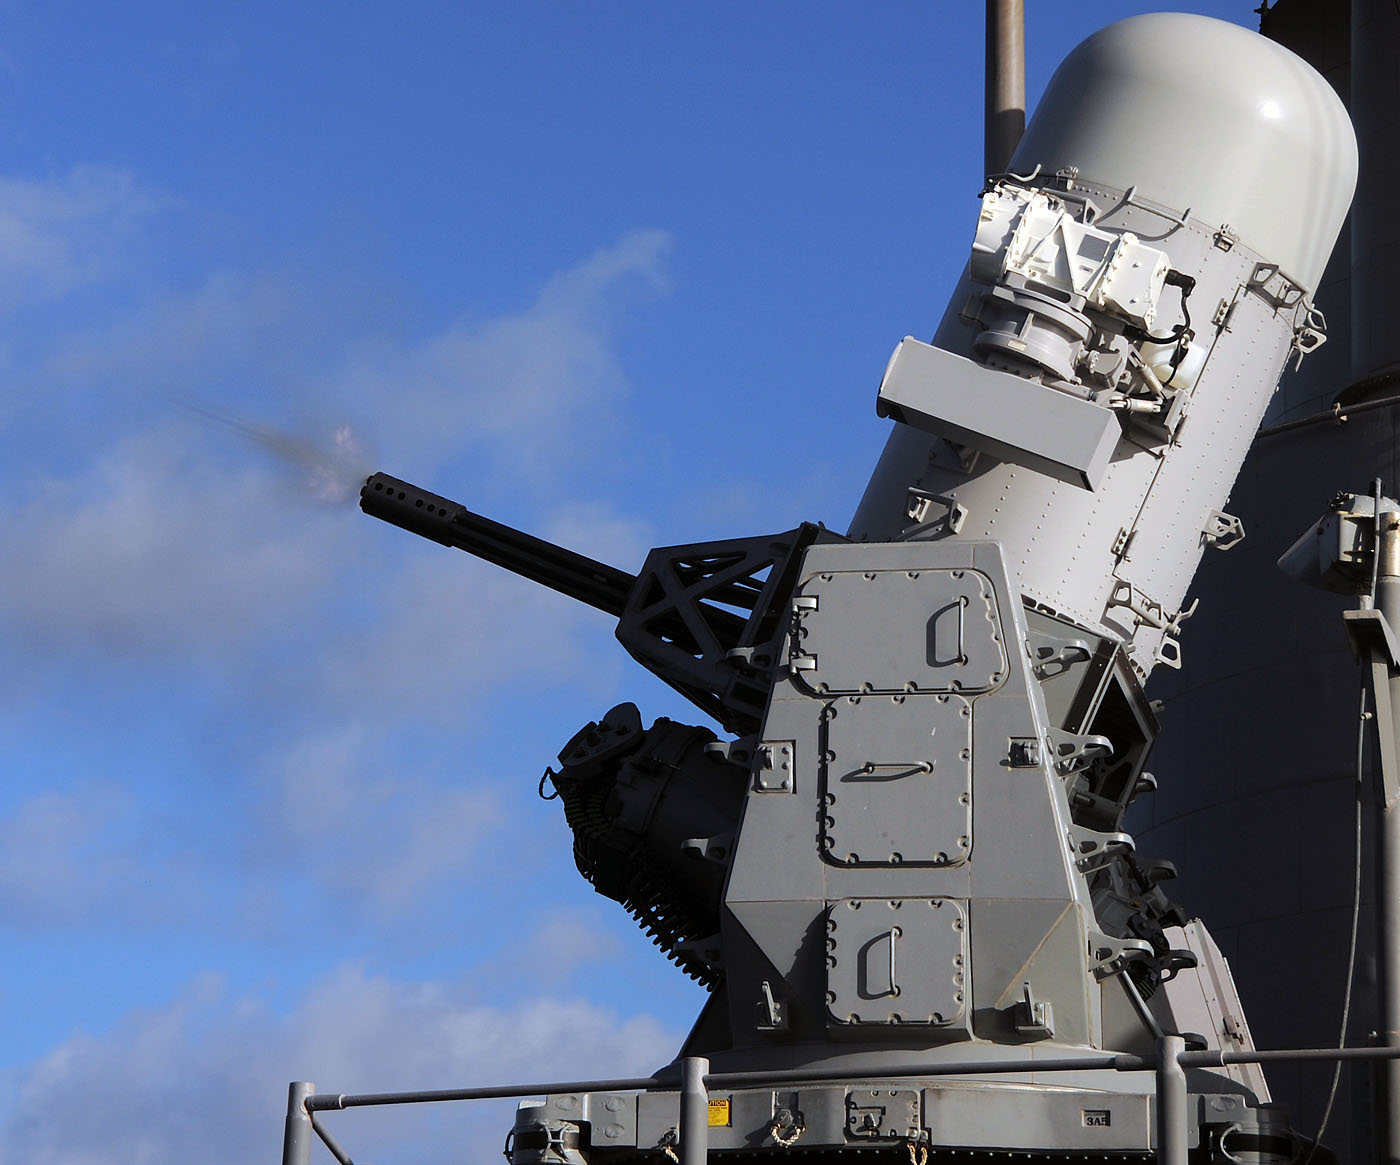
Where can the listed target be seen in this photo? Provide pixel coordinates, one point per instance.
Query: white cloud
(155, 545)
(540, 390)
(371, 839)
(204, 1078)
(448, 632)
(67, 857)
(152, 551)
(564, 942)
(58, 234)
(599, 531)
(307, 644)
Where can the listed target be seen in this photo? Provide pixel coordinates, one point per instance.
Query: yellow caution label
(719, 1113)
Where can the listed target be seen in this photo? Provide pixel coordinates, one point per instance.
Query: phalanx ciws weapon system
(907, 848)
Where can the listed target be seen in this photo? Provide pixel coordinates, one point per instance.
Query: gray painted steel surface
(1205, 116)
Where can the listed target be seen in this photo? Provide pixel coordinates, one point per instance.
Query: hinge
(1122, 543)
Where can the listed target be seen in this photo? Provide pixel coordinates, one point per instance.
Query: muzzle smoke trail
(336, 467)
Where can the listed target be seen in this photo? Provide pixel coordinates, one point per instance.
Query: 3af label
(1094, 1118)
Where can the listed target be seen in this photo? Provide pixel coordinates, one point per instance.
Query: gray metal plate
(893, 963)
(898, 780)
(1014, 419)
(900, 631)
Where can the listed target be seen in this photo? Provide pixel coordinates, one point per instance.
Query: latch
(771, 1014)
(1225, 238)
(776, 768)
(788, 1123)
(1033, 1017)
(883, 1113)
(1023, 752)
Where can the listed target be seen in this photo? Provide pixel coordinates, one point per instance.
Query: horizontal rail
(320, 1102)
(1214, 1059)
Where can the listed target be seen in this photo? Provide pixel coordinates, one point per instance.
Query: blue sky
(619, 274)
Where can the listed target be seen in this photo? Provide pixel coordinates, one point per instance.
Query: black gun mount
(708, 618)
(653, 811)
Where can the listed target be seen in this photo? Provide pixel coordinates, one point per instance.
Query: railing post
(695, 1111)
(1385, 674)
(1172, 1108)
(296, 1141)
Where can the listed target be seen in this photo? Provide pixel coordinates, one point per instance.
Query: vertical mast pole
(1386, 681)
(1006, 82)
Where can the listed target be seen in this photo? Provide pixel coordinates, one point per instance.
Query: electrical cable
(1181, 335)
(1362, 718)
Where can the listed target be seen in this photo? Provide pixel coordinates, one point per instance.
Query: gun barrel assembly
(420, 512)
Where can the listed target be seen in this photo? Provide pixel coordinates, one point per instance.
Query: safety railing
(695, 1081)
